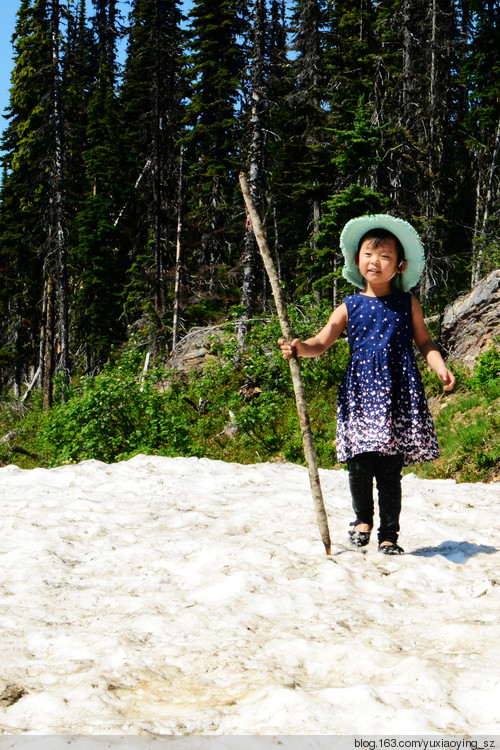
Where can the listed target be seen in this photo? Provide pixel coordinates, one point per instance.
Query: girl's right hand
(288, 350)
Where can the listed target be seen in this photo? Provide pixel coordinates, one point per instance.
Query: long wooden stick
(300, 399)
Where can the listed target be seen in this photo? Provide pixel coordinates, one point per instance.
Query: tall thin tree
(212, 138)
(256, 156)
(151, 105)
(57, 227)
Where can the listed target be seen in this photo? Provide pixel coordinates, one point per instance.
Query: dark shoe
(358, 538)
(390, 549)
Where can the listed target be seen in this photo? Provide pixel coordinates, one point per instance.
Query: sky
(9, 10)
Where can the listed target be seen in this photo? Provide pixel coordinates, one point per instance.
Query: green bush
(487, 368)
(114, 415)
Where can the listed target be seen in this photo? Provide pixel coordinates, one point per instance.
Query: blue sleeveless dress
(381, 401)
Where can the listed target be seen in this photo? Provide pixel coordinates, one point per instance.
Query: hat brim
(406, 234)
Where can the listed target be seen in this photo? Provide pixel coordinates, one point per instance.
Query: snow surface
(185, 596)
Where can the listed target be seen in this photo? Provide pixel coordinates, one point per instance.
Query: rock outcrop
(472, 322)
(194, 350)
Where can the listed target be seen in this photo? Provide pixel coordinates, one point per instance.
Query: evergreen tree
(24, 221)
(212, 140)
(308, 151)
(99, 257)
(420, 121)
(79, 72)
(351, 55)
(57, 235)
(151, 105)
(374, 106)
(438, 107)
(278, 173)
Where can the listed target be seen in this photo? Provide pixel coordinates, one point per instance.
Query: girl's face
(378, 265)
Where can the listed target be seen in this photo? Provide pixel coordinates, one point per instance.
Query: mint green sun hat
(406, 234)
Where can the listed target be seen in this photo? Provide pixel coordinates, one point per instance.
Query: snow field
(183, 596)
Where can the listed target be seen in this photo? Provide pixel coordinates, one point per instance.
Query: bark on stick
(300, 399)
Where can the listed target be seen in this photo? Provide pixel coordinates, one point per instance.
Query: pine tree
(212, 139)
(57, 194)
(418, 123)
(79, 72)
(308, 149)
(151, 104)
(279, 86)
(99, 262)
(437, 108)
(28, 146)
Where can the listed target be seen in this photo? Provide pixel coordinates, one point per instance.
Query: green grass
(468, 429)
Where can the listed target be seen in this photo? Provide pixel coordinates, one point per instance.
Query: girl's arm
(318, 344)
(427, 347)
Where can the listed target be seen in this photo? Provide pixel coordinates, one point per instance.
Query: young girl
(383, 420)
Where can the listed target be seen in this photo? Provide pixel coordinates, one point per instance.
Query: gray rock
(472, 322)
(194, 350)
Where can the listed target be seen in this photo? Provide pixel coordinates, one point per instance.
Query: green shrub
(114, 415)
(487, 368)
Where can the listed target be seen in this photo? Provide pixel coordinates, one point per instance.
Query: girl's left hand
(447, 377)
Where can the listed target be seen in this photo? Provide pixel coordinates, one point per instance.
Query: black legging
(387, 472)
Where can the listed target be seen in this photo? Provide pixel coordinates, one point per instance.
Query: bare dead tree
(484, 211)
(256, 158)
(178, 251)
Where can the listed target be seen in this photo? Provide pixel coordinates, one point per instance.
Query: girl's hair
(377, 237)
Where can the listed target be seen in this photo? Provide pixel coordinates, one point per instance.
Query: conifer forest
(127, 129)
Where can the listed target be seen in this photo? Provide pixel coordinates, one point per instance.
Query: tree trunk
(47, 343)
(158, 224)
(178, 252)
(316, 218)
(57, 230)
(427, 280)
(256, 159)
(482, 227)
